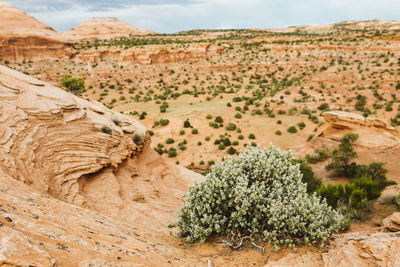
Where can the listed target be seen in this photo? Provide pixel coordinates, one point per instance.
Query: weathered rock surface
(352, 249)
(38, 230)
(392, 222)
(52, 142)
(103, 28)
(23, 37)
(344, 25)
(373, 132)
(151, 54)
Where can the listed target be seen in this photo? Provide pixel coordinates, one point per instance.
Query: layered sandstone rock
(392, 223)
(373, 132)
(22, 37)
(53, 154)
(103, 28)
(52, 147)
(151, 54)
(53, 141)
(352, 249)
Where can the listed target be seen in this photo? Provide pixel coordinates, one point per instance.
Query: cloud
(178, 15)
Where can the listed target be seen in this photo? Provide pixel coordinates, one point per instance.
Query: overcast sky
(166, 16)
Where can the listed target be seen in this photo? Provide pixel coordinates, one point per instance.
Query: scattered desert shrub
(195, 131)
(278, 132)
(186, 124)
(138, 138)
(301, 125)
(258, 193)
(219, 119)
(353, 197)
(313, 183)
(74, 85)
(172, 153)
(230, 127)
(320, 155)
(252, 136)
(169, 141)
(231, 151)
(342, 156)
(323, 107)
(292, 129)
(106, 129)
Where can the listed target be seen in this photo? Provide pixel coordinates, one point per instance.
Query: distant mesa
(349, 25)
(16, 22)
(103, 28)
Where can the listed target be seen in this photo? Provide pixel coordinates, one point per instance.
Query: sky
(178, 15)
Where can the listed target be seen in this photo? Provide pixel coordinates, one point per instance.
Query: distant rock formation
(103, 28)
(344, 25)
(373, 132)
(22, 37)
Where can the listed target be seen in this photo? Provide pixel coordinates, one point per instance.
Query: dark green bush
(106, 129)
(169, 141)
(342, 156)
(230, 127)
(172, 153)
(292, 129)
(320, 155)
(74, 85)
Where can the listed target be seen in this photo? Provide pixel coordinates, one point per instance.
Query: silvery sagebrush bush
(257, 193)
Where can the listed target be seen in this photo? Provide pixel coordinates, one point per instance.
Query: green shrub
(320, 155)
(313, 183)
(278, 132)
(342, 156)
(218, 119)
(181, 132)
(292, 129)
(226, 141)
(172, 153)
(74, 85)
(231, 151)
(323, 107)
(195, 131)
(106, 129)
(257, 193)
(301, 125)
(169, 141)
(252, 136)
(354, 196)
(230, 127)
(186, 124)
(240, 137)
(138, 138)
(221, 146)
(376, 172)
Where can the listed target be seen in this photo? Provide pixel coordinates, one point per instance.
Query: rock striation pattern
(352, 249)
(54, 153)
(103, 28)
(373, 132)
(50, 139)
(22, 37)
